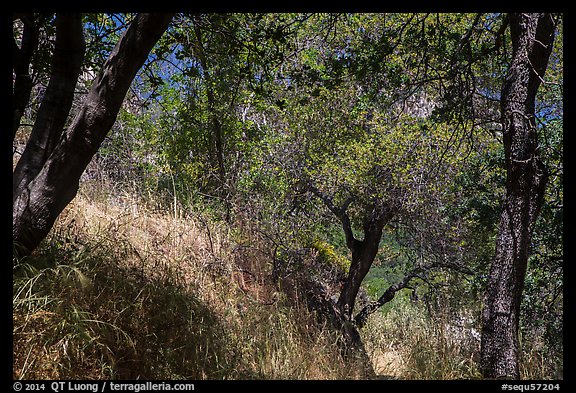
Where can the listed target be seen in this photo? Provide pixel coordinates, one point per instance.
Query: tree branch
(340, 212)
(21, 58)
(387, 296)
(37, 206)
(66, 64)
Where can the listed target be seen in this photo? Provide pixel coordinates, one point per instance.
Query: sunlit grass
(123, 292)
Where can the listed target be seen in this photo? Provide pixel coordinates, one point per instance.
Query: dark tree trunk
(40, 202)
(359, 267)
(22, 58)
(53, 112)
(532, 39)
(363, 254)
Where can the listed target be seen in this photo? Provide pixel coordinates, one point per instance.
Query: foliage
(328, 255)
(238, 117)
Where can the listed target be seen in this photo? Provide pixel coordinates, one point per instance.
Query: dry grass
(120, 291)
(406, 343)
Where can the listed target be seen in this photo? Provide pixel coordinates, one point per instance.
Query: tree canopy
(387, 145)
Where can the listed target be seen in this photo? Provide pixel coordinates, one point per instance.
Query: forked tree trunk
(65, 68)
(532, 39)
(39, 202)
(363, 254)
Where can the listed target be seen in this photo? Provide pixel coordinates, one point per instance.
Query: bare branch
(387, 296)
(340, 212)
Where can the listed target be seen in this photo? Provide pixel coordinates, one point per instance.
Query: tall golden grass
(120, 291)
(123, 290)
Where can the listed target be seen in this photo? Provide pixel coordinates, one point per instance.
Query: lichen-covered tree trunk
(532, 39)
(37, 204)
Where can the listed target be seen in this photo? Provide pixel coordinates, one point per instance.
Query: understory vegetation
(288, 196)
(124, 289)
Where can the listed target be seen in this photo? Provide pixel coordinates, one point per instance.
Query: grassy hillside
(120, 291)
(124, 291)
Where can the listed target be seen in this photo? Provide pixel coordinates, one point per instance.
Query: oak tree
(47, 175)
(532, 38)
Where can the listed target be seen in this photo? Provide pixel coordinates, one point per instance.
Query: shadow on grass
(174, 334)
(83, 316)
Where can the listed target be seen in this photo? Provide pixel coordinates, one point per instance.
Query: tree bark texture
(22, 58)
(53, 112)
(363, 253)
(532, 39)
(40, 201)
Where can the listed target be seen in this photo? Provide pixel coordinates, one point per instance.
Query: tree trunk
(40, 202)
(363, 254)
(532, 39)
(53, 112)
(22, 58)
